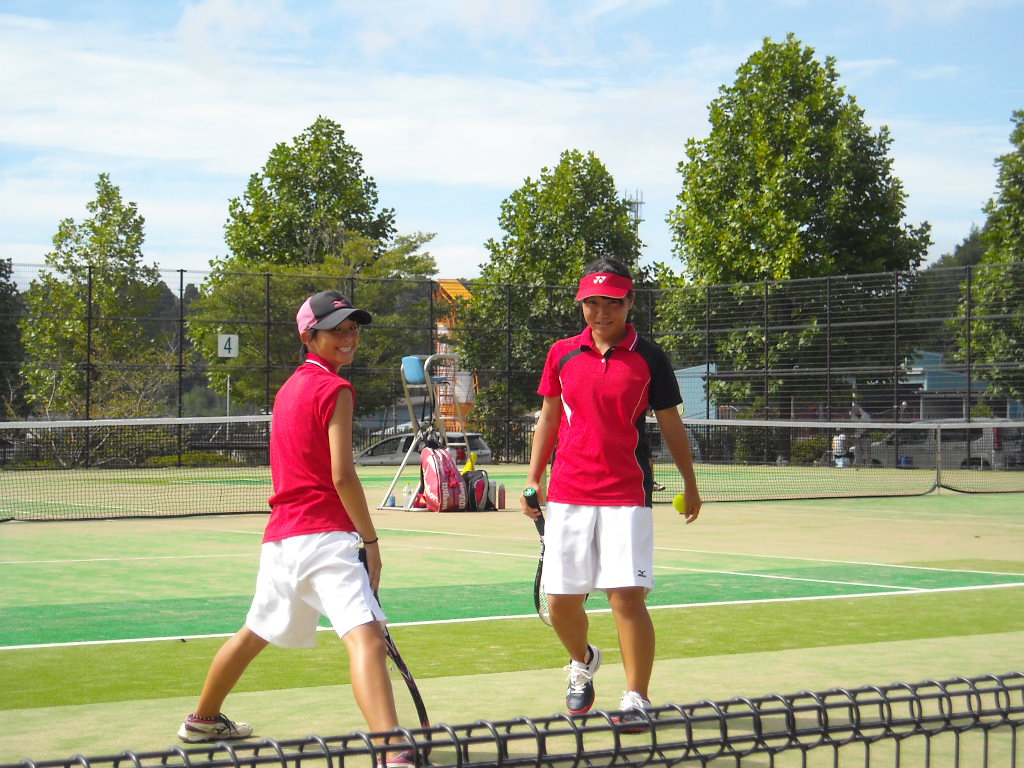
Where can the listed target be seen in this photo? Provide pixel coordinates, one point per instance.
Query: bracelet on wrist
(365, 542)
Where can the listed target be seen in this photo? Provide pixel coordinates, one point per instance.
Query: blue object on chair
(412, 370)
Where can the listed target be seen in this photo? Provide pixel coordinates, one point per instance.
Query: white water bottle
(407, 496)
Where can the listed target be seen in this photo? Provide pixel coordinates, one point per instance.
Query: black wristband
(365, 542)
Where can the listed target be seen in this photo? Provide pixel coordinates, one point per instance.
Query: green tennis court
(102, 619)
(71, 585)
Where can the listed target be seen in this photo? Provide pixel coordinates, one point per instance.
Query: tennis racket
(540, 597)
(402, 667)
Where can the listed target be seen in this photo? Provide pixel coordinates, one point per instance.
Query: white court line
(256, 554)
(406, 530)
(897, 516)
(787, 578)
(532, 556)
(835, 597)
(121, 559)
(184, 638)
(837, 562)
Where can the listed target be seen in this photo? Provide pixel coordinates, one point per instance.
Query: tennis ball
(679, 502)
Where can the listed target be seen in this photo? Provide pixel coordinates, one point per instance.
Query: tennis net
(748, 460)
(958, 722)
(113, 468)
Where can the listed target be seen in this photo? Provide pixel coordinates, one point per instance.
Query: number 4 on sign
(227, 345)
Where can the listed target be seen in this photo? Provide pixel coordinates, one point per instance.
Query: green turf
(37, 677)
(78, 620)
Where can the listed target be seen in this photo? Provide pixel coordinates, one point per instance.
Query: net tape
(692, 734)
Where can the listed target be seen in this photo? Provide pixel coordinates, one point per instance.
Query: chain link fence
(942, 343)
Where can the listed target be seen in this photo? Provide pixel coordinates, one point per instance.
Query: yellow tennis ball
(679, 502)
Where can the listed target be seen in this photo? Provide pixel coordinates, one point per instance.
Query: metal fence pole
(88, 361)
(766, 348)
(707, 351)
(266, 342)
(508, 365)
(897, 411)
(828, 348)
(181, 342)
(970, 314)
(88, 345)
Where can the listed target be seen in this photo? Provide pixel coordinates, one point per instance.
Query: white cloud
(910, 12)
(453, 96)
(948, 174)
(23, 254)
(943, 72)
(148, 103)
(386, 25)
(458, 260)
(213, 32)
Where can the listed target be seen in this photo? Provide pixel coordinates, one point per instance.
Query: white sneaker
(406, 759)
(634, 717)
(197, 729)
(579, 696)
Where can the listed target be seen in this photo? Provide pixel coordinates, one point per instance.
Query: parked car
(986, 446)
(391, 450)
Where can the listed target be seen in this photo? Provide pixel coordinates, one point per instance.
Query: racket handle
(530, 494)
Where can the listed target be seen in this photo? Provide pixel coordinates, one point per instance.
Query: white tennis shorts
(588, 548)
(305, 577)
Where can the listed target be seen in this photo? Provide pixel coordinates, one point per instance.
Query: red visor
(604, 284)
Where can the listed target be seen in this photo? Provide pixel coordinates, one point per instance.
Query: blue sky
(453, 103)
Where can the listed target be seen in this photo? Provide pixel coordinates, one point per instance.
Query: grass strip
(183, 617)
(40, 677)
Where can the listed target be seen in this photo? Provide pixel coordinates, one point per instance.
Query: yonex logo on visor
(604, 284)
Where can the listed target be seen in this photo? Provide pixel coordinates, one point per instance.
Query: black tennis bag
(477, 491)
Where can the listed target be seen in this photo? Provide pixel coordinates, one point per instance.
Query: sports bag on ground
(443, 487)
(477, 490)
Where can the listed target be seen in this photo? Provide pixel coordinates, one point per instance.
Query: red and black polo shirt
(602, 456)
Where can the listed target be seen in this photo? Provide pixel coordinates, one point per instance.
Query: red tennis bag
(443, 487)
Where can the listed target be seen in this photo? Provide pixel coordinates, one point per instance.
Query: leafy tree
(11, 350)
(997, 293)
(789, 184)
(242, 302)
(308, 221)
(553, 225)
(93, 341)
(936, 290)
(310, 197)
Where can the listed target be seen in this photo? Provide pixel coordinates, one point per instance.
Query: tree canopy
(97, 302)
(308, 221)
(553, 226)
(11, 350)
(310, 196)
(997, 331)
(790, 182)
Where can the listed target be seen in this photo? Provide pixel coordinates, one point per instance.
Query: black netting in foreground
(964, 722)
